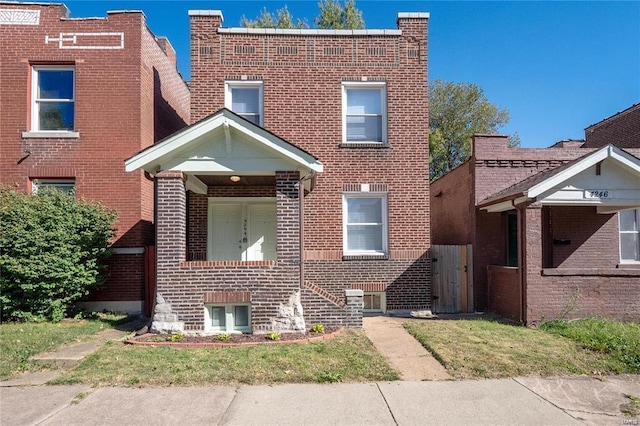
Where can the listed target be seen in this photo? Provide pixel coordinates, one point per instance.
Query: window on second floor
(630, 235)
(245, 99)
(364, 112)
(365, 223)
(53, 98)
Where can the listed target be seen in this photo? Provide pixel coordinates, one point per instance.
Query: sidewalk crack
(387, 404)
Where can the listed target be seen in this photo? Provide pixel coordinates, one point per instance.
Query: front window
(67, 186)
(245, 99)
(365, 223)
(53, 99)
(630, 235)
(364, 113)
(228, 318)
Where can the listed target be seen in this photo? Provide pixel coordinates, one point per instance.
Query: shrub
(318, 328)
(223, 337)
(274, 335)
(51, 250)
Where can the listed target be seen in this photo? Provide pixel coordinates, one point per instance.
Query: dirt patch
(150, 339)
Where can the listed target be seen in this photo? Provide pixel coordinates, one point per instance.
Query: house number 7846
(597, 193)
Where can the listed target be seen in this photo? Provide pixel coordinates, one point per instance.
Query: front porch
(566, 249)
(229, 228)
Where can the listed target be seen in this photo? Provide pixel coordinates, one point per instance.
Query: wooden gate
(452, 281)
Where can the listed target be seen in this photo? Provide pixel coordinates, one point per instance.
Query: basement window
(228, 318)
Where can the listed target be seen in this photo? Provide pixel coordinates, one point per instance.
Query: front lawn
(488, 348)
(19, 341)
(349, 357)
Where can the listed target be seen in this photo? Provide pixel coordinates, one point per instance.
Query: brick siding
(622, 130)
(125, 99)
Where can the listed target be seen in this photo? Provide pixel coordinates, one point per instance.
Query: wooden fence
(452, 280)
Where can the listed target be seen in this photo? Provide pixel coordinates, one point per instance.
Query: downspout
(521, 210)
(301, 182)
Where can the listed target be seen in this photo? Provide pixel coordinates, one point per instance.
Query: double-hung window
(364, 112)
(364, 223)
(630, 235)
(53, 98)
(245, 99)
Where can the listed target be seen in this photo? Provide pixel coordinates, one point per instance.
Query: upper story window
(53, 99)
(364, 217)
(364, 112)
(245, 99)
(65, 185)
(630, 235)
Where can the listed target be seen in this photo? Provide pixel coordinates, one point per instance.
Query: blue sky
(558, 66)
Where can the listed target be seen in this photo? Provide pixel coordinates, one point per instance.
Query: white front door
(242, 231)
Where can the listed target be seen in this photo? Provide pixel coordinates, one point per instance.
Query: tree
(52, 248)
(456, 112)
(281, 19)
(333, 15)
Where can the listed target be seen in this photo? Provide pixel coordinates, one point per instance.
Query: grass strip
(19, 341)
(488, 348)
(350, 357)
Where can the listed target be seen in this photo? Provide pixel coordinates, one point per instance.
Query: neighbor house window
(53, 98)
(630, 235)
(65, 185)
(364, 113)
(374, 302)
(228, 318)
(245, 99)
(364, 223)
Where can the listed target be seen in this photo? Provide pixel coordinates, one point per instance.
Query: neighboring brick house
(79, 96)
(621, 129)
(555, 231)
(304, 183)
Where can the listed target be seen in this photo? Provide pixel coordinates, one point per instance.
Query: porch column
(171, 243)
(534, 293)
(288, 230)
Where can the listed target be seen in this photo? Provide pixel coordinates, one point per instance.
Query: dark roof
(523, 186)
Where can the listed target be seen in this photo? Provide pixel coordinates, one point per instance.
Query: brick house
(623, 128)
(554, 231)
(300, 193)
(79, 96)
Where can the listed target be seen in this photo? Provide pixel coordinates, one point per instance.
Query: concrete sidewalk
(524, 401)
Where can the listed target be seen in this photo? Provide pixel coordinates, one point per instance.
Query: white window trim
(383, 108)
(383, 301)
(229, 318)
(36, 183)
(620, 232)
(35, 130)
(385, 224)
(258, 84)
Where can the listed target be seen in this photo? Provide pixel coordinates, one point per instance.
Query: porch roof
(608, 178)
(224, 144)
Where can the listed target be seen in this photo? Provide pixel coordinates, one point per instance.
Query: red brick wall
(302, 76)
(582, 238)
(115, 113)
(622, 129)
(452, 207)
(504, 291)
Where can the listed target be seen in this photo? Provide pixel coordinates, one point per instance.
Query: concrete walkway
(525, 401)
(404, 353)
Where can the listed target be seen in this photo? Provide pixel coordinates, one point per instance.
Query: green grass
(487, 348)
(349, 357)
(620, 341)
(19, 341)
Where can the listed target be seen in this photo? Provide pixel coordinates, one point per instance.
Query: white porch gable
(223, 144)
(608, 179)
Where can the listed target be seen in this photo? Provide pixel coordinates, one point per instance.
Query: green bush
(51, 250)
